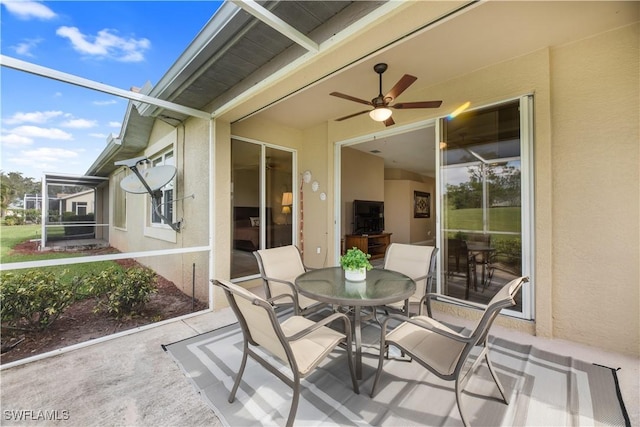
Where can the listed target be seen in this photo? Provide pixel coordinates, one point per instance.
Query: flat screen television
(368, 217)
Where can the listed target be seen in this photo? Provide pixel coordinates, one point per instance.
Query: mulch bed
(79, 323)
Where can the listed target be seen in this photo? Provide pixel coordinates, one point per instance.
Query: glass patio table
(381, 287)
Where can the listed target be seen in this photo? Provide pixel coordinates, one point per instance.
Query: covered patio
(130, 380)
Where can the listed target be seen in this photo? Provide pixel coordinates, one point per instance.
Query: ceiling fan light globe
(380, 114)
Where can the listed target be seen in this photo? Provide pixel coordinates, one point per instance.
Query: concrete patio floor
(131, 381)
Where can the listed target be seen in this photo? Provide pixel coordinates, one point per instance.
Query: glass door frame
(262, 197)
(527, 197)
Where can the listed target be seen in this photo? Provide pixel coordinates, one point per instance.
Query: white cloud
(32, 117)
(106, 44)
(13, 140)
(28, 9)
(40, 132)
(45, 154)
(24, 48)
(115, 124)
(109, 102)
(79, 124)
(99, 135)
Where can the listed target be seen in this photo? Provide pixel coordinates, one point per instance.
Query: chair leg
(383, 349)
(458, 388)
(245, 355)
(496, 379)
(352, 369)
(294, 402)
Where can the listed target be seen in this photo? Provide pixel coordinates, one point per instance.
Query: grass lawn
(10, 236)
(500, 219)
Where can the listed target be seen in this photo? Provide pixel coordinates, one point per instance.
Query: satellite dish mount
(149, 181)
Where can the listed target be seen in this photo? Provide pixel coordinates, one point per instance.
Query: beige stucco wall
(595, 193)
(190, 146)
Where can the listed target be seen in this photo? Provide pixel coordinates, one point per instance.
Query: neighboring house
(557, 82)
(82, 203)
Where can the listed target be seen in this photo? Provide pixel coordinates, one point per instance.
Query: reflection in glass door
(481, 202)
(262, 203)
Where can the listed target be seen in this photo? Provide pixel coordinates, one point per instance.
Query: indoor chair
(300, 343)
(440, 349)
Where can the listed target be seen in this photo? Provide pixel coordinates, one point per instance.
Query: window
(119, 200)
(163, 206)
(80, 208)
(485, 201)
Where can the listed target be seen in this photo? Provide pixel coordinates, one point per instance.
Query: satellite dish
(149, 180)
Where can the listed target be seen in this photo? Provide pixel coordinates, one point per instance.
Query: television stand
(373, 244)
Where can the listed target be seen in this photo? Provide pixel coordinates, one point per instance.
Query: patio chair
(279, 268)
(298, 342)
(417, 262)
(507, 263)
(440, 349)
(458, 251)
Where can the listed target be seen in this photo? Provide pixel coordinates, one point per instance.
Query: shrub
(13, 220)
(33, 300)
(125, 291)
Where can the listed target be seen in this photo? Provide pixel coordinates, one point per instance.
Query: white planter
(355, 275)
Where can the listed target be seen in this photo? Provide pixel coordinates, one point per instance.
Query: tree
(13, 187)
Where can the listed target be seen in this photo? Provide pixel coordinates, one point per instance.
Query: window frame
(527, 219)
(161, 230)
(119, 206)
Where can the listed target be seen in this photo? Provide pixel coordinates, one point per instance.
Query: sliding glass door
(262, 202)
(484, 203)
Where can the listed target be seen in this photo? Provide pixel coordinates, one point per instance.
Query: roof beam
(253, 8)
(19, 65)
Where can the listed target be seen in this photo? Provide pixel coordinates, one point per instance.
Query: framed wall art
(421, 204)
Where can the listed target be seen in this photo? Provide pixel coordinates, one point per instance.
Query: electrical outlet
(318, 250)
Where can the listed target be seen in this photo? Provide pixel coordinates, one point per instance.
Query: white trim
(277, 24)
(100, 87)
(212, 208)
(97, 258)
(528, 196)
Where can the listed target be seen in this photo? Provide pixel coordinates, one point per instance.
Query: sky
(50, 126)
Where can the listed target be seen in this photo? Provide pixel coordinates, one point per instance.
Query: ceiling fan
(381, 109)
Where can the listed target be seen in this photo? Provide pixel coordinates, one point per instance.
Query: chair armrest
(294, 292)
(321, 323)
(426, 299)
(416, 321)
(273, 299)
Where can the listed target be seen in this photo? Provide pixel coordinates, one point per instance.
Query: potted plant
(355, 264)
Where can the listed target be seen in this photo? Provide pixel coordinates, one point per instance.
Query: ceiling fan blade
(351, 115)
(351, 98)
(423, 104)
(389, 122)
(406, 81)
